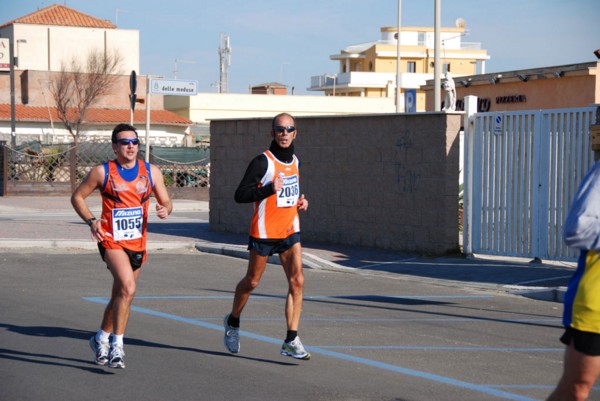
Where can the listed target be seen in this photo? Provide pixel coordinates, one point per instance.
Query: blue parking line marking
(363, 298)
(333, 354)
(360, 297)
(422, 375)
(549, 387)
(533, 386)
(430, 348)
(424, 319)
(103, 300)
(380, 320)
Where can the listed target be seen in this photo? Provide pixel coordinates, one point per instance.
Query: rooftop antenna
(224, 62)
(459, 23)
(177, 62)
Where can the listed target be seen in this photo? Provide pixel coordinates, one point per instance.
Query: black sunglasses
(280, 129)
(126, 141)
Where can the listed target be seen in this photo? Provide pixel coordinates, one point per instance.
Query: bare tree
(81, 84)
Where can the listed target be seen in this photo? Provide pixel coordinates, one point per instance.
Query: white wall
(211, 106)
(48, 47)
(45, 133)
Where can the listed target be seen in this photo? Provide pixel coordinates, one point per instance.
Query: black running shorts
(583, 341)
(268, 247)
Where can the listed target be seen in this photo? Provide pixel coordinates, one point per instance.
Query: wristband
(89, 222)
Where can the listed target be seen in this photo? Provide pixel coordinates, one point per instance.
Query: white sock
(102, 336)
(117, 340)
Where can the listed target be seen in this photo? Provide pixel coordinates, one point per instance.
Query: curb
(551, 294)
(310, 261)
(83, 245)
(314, 262)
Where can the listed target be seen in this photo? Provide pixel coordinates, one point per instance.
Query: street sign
(132, 82)
(410, 100)
(498, 124)
(132, 88)
(176, 87)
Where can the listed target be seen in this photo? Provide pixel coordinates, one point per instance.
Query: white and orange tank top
(125, 202)
(276, 217)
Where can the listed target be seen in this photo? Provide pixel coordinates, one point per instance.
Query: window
(421, 39)
(411, 66)
(370, 66)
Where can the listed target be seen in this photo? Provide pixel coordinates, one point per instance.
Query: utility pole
(13, 133)
(398, 70)
(437, 70)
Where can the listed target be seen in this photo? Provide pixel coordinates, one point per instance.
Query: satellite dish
(460, 23)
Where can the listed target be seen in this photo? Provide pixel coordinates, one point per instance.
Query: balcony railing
(366, 80)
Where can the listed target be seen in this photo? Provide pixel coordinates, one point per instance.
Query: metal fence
(34, 168)
(523, 172)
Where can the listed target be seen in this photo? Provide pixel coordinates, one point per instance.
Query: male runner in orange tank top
(125, 185)
(272, 183)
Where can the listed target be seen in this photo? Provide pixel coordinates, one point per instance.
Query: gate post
(3, 168)
(468, 144)
(73, 167)
(595, 135)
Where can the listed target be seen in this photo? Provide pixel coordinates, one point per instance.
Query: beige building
(369, 69)
(270, 88)
(205, 107)
(565, 86)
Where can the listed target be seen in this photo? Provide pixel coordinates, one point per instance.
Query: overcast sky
(289, 41)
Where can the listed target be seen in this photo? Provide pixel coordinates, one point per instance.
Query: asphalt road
(373, 335)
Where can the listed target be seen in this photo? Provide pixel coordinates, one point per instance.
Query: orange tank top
(125, 206)
(276, 217)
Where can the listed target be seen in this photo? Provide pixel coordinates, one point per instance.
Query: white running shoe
(295, 349)
(100, 351)
(116, 358)
(231, 337)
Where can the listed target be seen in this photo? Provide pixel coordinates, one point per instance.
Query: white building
(369, 69)
(45, 42)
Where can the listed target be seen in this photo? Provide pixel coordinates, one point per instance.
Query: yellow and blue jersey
(582, 299)
(582, 231)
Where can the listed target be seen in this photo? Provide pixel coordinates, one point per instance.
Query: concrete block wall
(385, 181)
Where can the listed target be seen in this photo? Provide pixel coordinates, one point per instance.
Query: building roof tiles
(94, 116)
(57, 14)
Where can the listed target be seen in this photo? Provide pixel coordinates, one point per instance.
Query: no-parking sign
(498, 124)
(410, 101)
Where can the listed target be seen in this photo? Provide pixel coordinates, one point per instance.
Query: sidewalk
(50, 222)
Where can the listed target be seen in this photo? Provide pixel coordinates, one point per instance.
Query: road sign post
(132, 96)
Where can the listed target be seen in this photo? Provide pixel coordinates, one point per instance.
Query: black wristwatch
(89, 222)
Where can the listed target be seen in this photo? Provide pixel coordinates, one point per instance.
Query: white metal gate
(521, 172)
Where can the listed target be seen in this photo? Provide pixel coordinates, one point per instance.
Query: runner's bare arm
(302, 203)
(90, 183)
(164, 206)
(93, 180)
